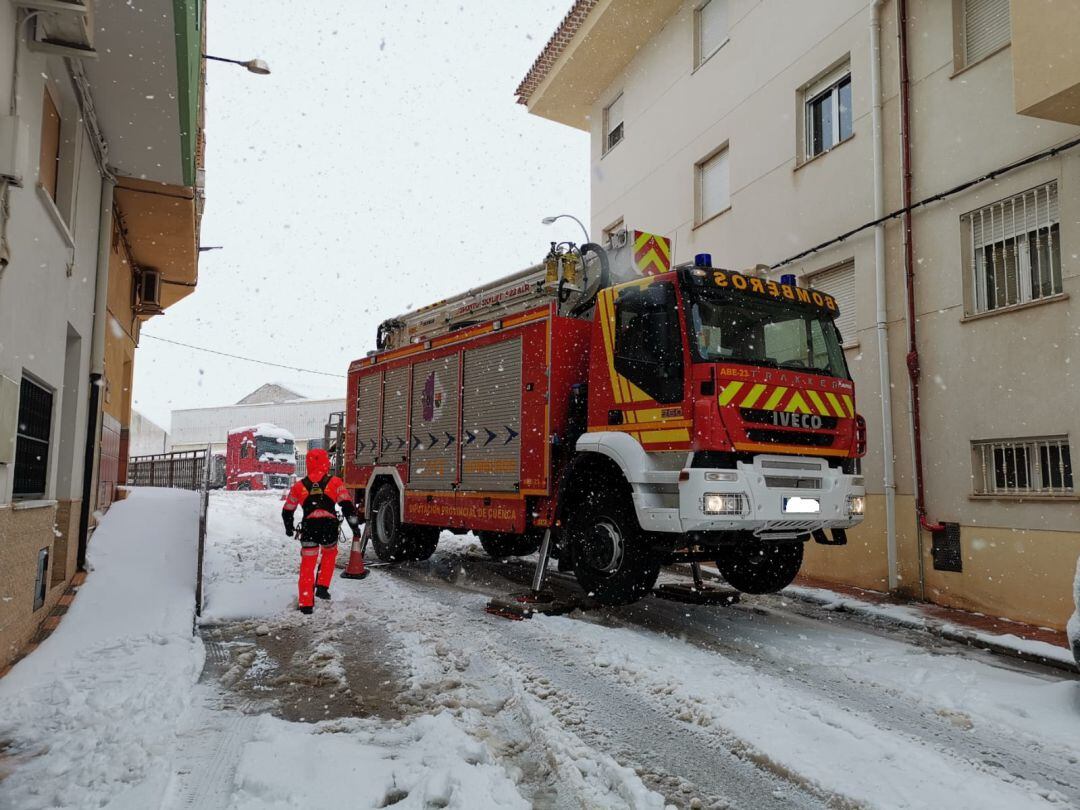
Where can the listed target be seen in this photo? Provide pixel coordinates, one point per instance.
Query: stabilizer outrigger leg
(537, 600)
(700, 593)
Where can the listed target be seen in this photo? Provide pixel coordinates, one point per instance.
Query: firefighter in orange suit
(318, 494)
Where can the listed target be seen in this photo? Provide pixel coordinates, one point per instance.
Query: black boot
(307, 609)
(322, 592)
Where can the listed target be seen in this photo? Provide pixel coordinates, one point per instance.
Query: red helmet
(318, 464)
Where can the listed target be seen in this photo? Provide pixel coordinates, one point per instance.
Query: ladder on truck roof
(509, 295)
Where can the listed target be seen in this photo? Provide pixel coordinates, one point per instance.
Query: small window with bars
(32, 440)
(1015, 250)
(613, 123)
(1023, 467)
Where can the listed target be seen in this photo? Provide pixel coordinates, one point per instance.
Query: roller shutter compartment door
(491, 418)
(368, 391)
(433, 448)
(393, 448)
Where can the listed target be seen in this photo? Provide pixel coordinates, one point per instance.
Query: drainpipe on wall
(881, 318)
(97, 360)
(909, 276)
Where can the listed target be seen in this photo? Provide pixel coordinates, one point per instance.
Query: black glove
(287, 519)
(289, 531)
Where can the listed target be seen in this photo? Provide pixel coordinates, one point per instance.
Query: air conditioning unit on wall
(148, 292)
(63, 27)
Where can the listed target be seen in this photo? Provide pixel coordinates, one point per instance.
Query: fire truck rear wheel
(612, 559)
(755, 566)
(501, 546)
(395, 541)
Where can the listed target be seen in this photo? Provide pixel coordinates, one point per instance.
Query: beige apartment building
(100, 209)
(756, 130)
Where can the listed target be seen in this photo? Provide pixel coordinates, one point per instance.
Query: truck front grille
(766, 436)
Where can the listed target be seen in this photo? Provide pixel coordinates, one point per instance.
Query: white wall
(199, 426)
(49, 283)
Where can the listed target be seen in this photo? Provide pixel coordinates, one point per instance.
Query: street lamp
(256, 66)
(551, 220)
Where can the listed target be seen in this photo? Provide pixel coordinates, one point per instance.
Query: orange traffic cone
(355, 569)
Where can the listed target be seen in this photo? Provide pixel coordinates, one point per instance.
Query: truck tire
(393, 540)
(758, 566)
(500, 546)
(612, 559)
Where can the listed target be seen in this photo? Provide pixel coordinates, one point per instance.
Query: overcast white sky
(383, 165)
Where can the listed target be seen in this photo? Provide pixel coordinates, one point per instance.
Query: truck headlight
(726, 503)
(856, 505)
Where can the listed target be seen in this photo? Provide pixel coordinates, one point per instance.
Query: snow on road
(403, 692)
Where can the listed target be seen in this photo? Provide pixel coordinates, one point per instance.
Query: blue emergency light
(703, 260)
(788, 278)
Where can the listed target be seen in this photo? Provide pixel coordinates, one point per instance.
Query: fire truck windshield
(732, 328)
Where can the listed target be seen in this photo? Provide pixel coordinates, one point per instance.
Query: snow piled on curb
(91, 712)
(914, 619)
(1073, 627)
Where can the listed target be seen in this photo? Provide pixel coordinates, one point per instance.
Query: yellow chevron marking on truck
(838, 409)
(774, 399)
(729, 392)
(797, 404)
(850, 406)
(818, 403)
(752, 397)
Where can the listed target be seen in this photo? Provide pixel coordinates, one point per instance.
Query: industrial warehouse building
(756, 131)
(195, 428)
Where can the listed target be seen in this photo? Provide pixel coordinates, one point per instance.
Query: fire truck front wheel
(395, 541)
(757, 566)
(612, 559)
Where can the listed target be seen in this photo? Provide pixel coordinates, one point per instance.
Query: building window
(1023, 467)
(613, 123)
(32, 440)
(713, 185)
(1015, 250)
(49, 167)
(615, 235)
(839, 282)
(710, 29)
(984, 29)
(827, 112)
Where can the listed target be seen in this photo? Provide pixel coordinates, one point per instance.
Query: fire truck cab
(698, 414)
(259, 457)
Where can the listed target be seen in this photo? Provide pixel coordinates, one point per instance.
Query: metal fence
(189, 469)
(182, 470)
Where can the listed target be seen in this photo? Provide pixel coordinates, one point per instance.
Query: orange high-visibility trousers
(309, 558)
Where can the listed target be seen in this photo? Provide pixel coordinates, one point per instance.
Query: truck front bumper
(773, 497)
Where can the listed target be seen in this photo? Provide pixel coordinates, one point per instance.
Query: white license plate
(797, 505)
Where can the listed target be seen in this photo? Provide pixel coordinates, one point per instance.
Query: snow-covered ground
(403, 692)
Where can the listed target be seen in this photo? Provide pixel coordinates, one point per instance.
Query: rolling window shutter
(712, 27)
(1015, 216)
(714, 185)
(840, 284)
(986, 28)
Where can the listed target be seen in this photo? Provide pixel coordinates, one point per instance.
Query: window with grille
(710, 28)
(985, 29)
(1015, 250)
(839, 282)
(32, 440)
(1023, 467)
(713, 186)
(827, 112)
(613, 123)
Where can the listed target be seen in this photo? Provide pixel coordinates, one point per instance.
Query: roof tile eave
(554, 48)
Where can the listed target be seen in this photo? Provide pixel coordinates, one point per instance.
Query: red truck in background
(259, 457)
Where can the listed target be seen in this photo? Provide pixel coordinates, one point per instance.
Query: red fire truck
(630, 421)
(259, 457)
